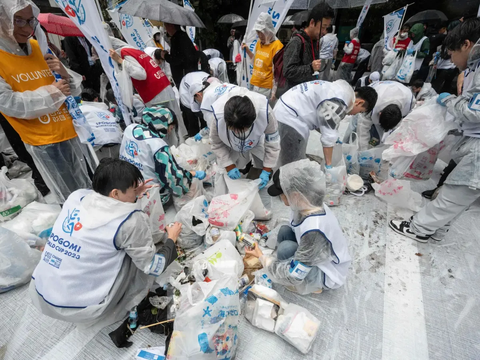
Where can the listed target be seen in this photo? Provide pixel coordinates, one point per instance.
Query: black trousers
(193, 121)
(22, 153)
(361, 68)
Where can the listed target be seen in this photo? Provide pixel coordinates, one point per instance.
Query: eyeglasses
(22, 22)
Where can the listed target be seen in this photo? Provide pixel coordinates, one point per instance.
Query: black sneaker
(403, 227)
(428, 194)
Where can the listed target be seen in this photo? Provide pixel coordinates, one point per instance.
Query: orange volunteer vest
(262, 75)
(28, 73)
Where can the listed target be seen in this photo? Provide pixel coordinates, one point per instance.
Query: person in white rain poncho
(462, 186)
(328, 52)
(394, 102)
(34, 104)
(198, 91)
(267, 46)
(317, 105)
(312, 251)
(218, 67)
(101, 258)
(245, 127)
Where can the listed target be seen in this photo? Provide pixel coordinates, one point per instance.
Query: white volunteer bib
(141, 152)
(79, 265)
(336, 270)
(256, 134)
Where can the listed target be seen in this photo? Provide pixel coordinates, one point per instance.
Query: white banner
(85, 15)
(392, 23)
(190, 29)
(363, 13)
(278, 11)
(135, 30)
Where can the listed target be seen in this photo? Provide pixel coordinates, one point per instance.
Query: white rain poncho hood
(8, 8)
(354, 33)
(303, 183)
(474, 56)
(264, 24)
(118, 44)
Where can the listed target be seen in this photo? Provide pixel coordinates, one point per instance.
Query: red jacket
(402, 44)
(156, 80)
(350, 58)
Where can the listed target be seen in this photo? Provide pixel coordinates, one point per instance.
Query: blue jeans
(286, 243)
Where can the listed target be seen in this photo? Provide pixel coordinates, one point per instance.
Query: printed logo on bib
(51, 259)
(131, 147)
(298, 270)
(72, 222)
(219, 90)
(259, 63)
(60, 115)
(475, 102)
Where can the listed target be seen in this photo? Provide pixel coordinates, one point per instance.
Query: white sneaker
(403, 227)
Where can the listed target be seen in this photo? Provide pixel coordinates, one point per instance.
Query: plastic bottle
(133, 318)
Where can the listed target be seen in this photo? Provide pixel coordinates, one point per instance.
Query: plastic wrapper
(257, 206)
(194, 219)
(17, 260)
(196, 190)
(298, 327)
(419, 131)
(35, 222)
(219, 260)
(226, 211)
(370, 160)
(206, 325)
(406, 70)
(390, 71)
(152, 206)
(223, 235)
(350, 154)
(398, 193)
(418, 167)
(336, 178)
(15, 194)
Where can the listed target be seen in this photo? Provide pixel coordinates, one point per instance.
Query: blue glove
(234, 174)
(198, 137)
(410, 51)
(328, 166)
(441, 98)
(265, 177)
(200, 175)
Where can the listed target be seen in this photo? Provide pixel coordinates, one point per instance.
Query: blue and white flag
(190, 29)
(363, 13)
(136, 31)
(392, 24)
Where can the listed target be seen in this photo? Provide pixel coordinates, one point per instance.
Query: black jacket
(297, 59)
(183, 57)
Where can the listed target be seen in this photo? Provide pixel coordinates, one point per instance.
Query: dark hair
(89, 95)
(468, 30)
(110, 96)
(329, 29)
(157, 54)
(443, 24)
(367, 94)
(390, 117)
(239, 112)
(406, 26)
(113, 174)
(418, 83)
(319, 12)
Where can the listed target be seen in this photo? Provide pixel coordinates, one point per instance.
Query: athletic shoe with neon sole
(403, 227)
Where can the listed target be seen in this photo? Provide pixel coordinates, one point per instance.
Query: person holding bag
(34, 103)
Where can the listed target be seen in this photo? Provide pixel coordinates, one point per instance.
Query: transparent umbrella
(161, 10)
(343, 4)
(230, 19)
(299, 17)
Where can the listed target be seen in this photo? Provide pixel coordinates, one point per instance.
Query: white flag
(363, 13)
(392, 23)
(190, 29)
(85, 15)
(133, 29)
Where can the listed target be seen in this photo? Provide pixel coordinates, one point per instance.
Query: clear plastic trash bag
(194, 219)
(398, 193)
(15, 194)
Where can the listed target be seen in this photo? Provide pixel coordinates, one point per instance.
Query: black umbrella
(427, 16)
(300, 17)
(239, 24)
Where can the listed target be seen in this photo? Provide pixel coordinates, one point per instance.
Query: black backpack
(278, 65)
